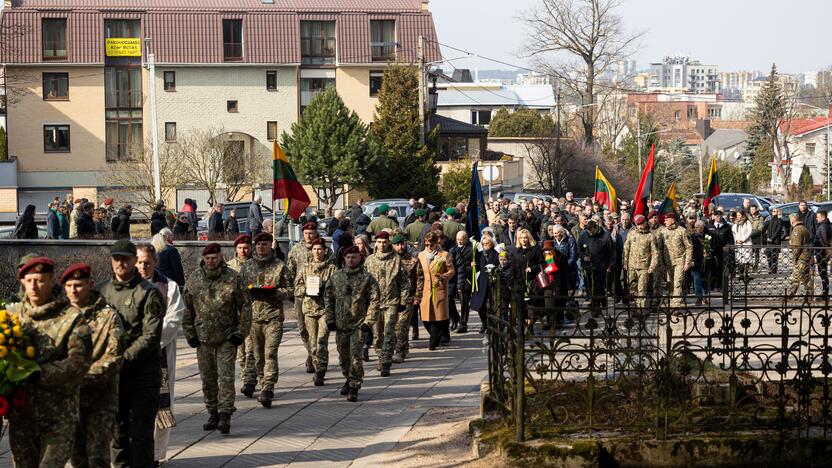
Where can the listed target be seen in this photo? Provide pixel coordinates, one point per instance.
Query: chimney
(424, 4)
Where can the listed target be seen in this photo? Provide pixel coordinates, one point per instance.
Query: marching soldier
(351, 302)
(799, 240)
(41, 432)
(268, 286)
(640, 260)
(414, 229)
(680, 253)
(382, 221)
(99, 402)
(245, 356)
(386, 267)
(314, 276)
(299, 255)
(215, 322)
(661, 252)
(408, 262)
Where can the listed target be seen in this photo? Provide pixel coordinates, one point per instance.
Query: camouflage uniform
(245, 354)
(379, 224)
(661, 263)
(315, 314)
(799, 242)
(639, 257)
(266, 313)
(300, 255)
(215, 310)
(386, 268)
(351, 300)
(98, 401)
(42, 432)
(409, 263)
(679, 253)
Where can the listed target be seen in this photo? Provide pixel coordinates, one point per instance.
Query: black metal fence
(752, 271)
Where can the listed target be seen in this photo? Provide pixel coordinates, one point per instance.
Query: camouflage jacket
(236, 264)
(678, 245)
(663, 260)
(799, 242)
(313, 306)
(351, 299)
(386, 268)
(640, 251)
(266, 304)
(300, 255)
(757, 223)
(62, 341)
(216, 306)
(107, 343)
(409, 263)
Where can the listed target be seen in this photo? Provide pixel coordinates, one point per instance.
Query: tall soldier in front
(245, 356)
(268, 285)
(299, 255)
(313, 277)
(408, 262)
(352, 301)
(217, 317)
(680, 255)
(140, 306)
(386, 268)
(41, 432)
(99, 402)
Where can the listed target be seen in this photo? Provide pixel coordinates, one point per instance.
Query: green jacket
(379, 224)
(450, 228)
(351, 299)
(216, 306)
(266, 304)
(413, 231)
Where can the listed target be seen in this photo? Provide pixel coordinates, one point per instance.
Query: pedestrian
(363, 244)
(99, 398)
(463, 255)
(63, 219)
(640, 259)
(269, 284)
(434, 270)
(596, 254)
(101, 226)
(823, 242)
(338, 217)
(741, 232)
(140, 306)
(773, 233)
(720, 232)
(406, 310)
(74, 213)
(86, 224)
(486, 260)
(122, 229)
(381, 222)
(53, 224)
(25, 227)
(344, 229)
(799, 241)
(808, 218)
(555, 293)
(680, 256)
(255, 216)
(216, 228)
(147, 261)
(231, 226)
(414, 229)
(215, 324)
(452, 226)
(702, 260)
(351, 301)
(170, 261)
(299, 255)
(245, 354)
(314, 276)
(158, 219)
(394, 289)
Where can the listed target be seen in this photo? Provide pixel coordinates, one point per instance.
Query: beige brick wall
(353, 85)
(8, 200)
(90, 193)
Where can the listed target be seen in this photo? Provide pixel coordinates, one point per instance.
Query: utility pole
(638, 139)
(557, 135)
(154, 131)
(421, 52)
(702, 151)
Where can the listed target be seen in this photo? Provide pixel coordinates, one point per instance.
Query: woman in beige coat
(434, 269)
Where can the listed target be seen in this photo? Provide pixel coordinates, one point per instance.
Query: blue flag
(476, 219)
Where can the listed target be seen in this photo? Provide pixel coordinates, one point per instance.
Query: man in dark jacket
(231, 226)
(121, 230)
(215, 224)
(596, 253)
(463, 257)
(823, 240)
(809, 221)
(158, 220)
(773, 231)
(86, 225)
(721, 235)
(255, 217)
(53, 224)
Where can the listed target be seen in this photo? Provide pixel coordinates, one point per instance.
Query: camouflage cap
(123, 248)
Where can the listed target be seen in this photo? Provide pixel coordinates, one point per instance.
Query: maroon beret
(318, 241)
(263, 237)
(242, 238)
(383, 235)
(36, 265)
(652, 213)
(639, 219)
(212, 248)
(670, 216)
(76, 271)
(108, 201)
(310, 226)
(350, 250)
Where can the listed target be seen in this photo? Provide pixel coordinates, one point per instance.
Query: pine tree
(805, 184)
(329, 148)
(756, 158)
(409, 169)
(770, 112)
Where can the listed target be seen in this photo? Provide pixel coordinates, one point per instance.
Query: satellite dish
(490, 173)
(736, 154)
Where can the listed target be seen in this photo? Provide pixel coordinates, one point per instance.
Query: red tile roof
(802, 126)
(239, 5)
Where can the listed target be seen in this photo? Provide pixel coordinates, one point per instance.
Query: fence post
(519, 366)
(726, 281)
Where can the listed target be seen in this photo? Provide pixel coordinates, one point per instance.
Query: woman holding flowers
(433, 271)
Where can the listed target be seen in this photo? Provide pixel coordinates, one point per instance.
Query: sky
(733, 34)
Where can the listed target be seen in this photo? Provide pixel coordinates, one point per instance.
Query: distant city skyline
(730, 34)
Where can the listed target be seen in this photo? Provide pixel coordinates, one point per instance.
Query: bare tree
(131, 180)
(612, 120)
(591, 33)
(550, 165)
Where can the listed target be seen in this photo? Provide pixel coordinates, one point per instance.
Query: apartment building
(248, 67)
(682, 73)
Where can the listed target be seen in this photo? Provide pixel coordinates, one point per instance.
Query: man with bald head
(463, 256)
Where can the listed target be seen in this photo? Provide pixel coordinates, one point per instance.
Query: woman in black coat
(25, 228)
(531, 256)
(557, 293)
(485, 259)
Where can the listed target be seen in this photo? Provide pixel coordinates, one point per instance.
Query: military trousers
(639, 280)
(656, 284)
(265, 339)
(801, 275)
(304, 333)
(402, 329)
(95, 430)
(318, 341)
(42, 443)
(216, 370)
(675, 280)
(138, 402)
(385, 333)
(248, 369)
(349, 344)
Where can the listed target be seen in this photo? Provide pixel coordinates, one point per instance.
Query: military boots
(213, 420)
(265, 398)
(353, 396)
(247, 390)
(346, 388)
(224, 424)
(318, 380)
(310, 368)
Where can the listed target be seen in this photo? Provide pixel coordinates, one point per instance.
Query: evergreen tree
(329, 148)
(805, 184)
(769, 114)
(756, 158)
(3, 155)
(456, 182)
(409, 168)
(520, 123)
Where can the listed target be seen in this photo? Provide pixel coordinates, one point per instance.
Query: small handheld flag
(286, 185)
(669, 205)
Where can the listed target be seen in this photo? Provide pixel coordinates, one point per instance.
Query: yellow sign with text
(123, 47)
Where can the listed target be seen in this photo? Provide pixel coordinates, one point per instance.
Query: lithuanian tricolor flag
(713, 185)
(604, 191)
(286, 185)
(669, 204)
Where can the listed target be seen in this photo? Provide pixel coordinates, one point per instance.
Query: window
(123, 111)
(375, 82)
(170, 81)
(232, 39)
(481, 117)
(231, 106)
(309, 87)
(383, 39)
(271, 81)
(271, 130)
(317, 42)
(677, 116)
(54, 38)
(170, 132)
(56, 138)
(810, 149)
(691, 112)
(55, 86)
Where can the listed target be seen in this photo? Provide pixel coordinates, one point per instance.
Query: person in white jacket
(742, 239)
(171, 323)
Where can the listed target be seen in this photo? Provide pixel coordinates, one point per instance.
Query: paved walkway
(316, 426)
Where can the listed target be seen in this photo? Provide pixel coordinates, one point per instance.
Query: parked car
(242, 217)
(522, 196)
(7, 232)
(788, 208)
(399, 204)
(728, 201)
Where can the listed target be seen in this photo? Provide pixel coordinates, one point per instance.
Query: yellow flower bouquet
(16, 363)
